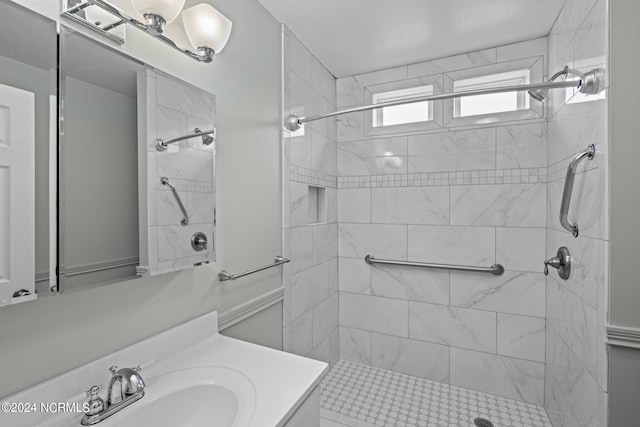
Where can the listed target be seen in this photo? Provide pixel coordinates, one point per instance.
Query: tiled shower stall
(459, 191)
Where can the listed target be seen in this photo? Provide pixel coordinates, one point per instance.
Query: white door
(17, 193)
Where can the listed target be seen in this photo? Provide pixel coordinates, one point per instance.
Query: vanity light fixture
(207, 29)
(158, 13)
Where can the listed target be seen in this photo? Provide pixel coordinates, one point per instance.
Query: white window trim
(397, 95)
(435, 108)
(488, 81)
(534, 112)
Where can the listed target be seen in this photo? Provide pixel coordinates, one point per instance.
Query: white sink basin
(206, 396)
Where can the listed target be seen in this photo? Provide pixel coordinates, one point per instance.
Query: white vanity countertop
(282, 381)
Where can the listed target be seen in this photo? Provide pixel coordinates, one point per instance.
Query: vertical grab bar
(165, 181)
(590, 152)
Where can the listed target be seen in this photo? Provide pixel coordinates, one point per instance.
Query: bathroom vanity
(191, 376)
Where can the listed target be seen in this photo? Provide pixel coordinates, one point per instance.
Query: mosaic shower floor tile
(357, 395)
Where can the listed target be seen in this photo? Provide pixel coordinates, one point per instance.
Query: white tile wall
(513, 292)
(309, 288)
(174, 108)
(381, 241)
(453, 326)
(452, 245)
(311, 282)
(411, 205)
(371, 157)
(505, 376)
(523, 146)
(355, 345)
(576, 383)
(499, 205)
(409, 283)
(376, 314)
(453, 151)
(411, 357)
(521, 337)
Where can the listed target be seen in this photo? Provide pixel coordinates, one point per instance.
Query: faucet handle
(113, 369)
(96, 404)
(93, 391)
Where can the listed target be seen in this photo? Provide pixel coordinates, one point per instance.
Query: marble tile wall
(576, 358)
(474, 195)
(174, 109)
(311, 279)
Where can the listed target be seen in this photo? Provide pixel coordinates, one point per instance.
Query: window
(492, 103)
(401, 114)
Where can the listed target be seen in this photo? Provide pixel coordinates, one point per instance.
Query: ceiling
(355, 36)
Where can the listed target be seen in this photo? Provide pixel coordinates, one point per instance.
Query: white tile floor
(357, 395)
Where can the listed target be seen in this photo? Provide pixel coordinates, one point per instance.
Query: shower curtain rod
(161, 144)
(589, 84)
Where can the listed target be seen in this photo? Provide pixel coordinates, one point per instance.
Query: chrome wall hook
(561, 262)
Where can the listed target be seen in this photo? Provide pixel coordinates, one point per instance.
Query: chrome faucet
(125, 387)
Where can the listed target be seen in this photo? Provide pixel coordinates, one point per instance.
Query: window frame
(487, 81)
(535, 111)
(397, 95)
(435, 107)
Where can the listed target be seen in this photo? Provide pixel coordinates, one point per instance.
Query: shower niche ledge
(189, 374)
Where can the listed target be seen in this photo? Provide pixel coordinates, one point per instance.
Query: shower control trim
(199, 241)
(561, 262)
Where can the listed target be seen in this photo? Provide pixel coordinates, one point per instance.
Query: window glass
(491, 103)
(401, 114)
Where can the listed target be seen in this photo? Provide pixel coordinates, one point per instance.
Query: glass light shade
(206, 27)
(167, 9)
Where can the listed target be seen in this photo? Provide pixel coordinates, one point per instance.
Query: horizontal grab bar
(495, 269)
(224, 275)
(589, 153)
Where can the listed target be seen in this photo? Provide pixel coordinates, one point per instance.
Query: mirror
(126, 207)
(98, 137)
(86, 195)
(27, 131)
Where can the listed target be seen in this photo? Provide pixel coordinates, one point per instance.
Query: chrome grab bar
(495, 269)
(224, 275)
(590, 152)
(166, 181)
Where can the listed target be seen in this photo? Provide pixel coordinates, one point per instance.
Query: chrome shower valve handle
(561, 262)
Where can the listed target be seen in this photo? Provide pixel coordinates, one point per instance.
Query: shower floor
(358, 395)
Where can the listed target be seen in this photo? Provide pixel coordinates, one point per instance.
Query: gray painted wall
(624, 363)
(54, 334)
(100, 176)
(259, 328)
